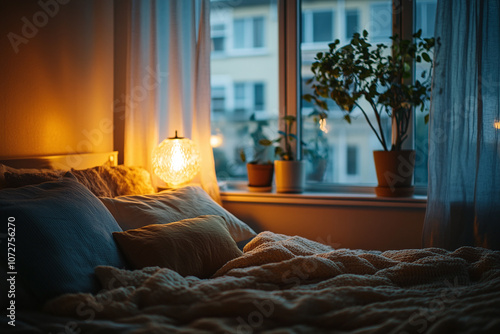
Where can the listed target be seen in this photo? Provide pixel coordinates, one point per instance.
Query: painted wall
(353, 224)
(56, 77)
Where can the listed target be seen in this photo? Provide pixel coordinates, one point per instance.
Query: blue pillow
(62, 231)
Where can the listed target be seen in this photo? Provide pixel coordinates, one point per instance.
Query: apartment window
(317, 26)
(258, 93)
(248, 96)
(351, 22)
(352, 160)
(248, 33)
(218, 99)
(218, 35)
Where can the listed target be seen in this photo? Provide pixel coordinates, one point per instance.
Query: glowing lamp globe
(176, 160)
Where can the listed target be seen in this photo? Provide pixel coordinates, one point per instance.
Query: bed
(98, 250)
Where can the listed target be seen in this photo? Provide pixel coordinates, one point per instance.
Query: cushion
(93, 179)
(62, 231)
(4, 169)
(16, 180)
(192, 247)
(128, 180)
(103, 181)
(170, 206)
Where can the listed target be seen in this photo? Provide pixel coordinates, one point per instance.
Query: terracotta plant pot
(394, 173)
(260, 175)
(290, 176)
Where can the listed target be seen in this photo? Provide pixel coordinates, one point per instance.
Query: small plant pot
(290, 176)
(394, 173)
(260, 175)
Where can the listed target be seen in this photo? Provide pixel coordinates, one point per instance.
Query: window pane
(425, 16)
(259, 96)
(239, 34)
(380, 25)
(218, 44)
(322, 26)
(352, 160)
(341, 153)
(258, 32)
(351, 22)
(251, 83)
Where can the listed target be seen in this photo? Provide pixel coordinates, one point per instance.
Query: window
(351, 22)
(352, 160)
(338, 153)
(244, 82)
(248, 33)
(424, 18)
(218, 34)
(218, 99)
(380, 26)
(248, 96)
(317, 26)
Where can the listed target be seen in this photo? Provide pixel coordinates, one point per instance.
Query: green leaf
(347, 117)
(365, 33)
(426, 57)
(426, 118)
(265, 142)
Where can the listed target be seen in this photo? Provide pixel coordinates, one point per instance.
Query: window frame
(290, 102)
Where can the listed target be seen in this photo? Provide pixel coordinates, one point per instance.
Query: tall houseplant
(376, 81)
(290, 172)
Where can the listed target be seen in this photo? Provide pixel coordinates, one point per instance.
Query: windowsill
(239, 193)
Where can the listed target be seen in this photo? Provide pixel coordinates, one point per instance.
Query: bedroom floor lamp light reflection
(176, 160)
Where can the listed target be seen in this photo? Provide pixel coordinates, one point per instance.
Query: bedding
(278, 284)
(170, 206)
(191, 247)
(285, 284)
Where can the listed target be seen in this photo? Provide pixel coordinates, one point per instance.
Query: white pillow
(170, 206)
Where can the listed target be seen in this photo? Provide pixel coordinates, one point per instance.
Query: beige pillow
(19, 171)
(102, 181)
(127, 180)
(170, 206)
(192, 247)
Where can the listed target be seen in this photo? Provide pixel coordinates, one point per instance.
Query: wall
(365, 223)
(56, 70)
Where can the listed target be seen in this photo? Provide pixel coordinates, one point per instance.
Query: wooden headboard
(65, 161)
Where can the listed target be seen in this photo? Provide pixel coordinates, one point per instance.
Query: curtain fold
(464, 135)
(168, 83)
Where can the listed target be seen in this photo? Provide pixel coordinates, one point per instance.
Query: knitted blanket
(288, 284)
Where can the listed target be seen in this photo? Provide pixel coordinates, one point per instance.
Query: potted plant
(317, 149)
(260, 169)
(290, 173)
(371, 78)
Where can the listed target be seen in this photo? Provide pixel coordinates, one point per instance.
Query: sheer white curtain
(168, 87)
(464, 150)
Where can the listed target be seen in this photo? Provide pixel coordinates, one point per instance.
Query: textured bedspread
(289, 284)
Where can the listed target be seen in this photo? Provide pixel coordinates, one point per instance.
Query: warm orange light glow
(497, 125)
(176, 161)
(216, 140)
(322, 125)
